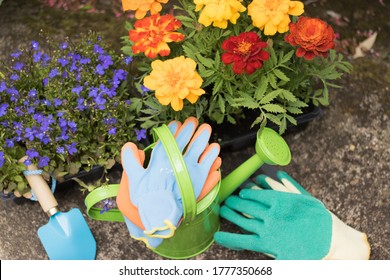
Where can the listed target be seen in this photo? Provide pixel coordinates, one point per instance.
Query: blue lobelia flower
(53, 73)
(3, 86)
(3, 109)
(32, 93)
(37, 57)
(64, 45)
(29, 133)
(18, 66)
(99, 69)
(128, 59)
(14, 77)
(72, 126)
(106, 60)
(112, 131)
(61, 150)
(98, 49)
(32, 153)
(2, 159)
(85, 60)
(140, 134)
(9, 143)
(16, 54)
(57, 102)
(35, 45)
(45, 81)
(63, 61)
(108, 204)
(43, 161)
(77, 89)
(72, 148)
(81, 104)
(45, 59)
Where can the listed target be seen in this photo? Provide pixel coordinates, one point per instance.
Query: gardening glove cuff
(347, 243)
(160, 212)
(138, 234)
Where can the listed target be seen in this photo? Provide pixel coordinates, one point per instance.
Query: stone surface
(342, 158)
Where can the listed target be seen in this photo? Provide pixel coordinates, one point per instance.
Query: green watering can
(200, 219)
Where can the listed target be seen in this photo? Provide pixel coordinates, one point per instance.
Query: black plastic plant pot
(90, 176)
(234, 137)
(93, 175)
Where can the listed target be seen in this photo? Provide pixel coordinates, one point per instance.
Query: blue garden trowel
(66, 236)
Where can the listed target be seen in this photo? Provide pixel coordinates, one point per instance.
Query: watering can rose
(175, 80)
(313, 36)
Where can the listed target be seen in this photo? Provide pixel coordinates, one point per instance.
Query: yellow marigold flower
(141, 7)
(174, 80)
(273, 15)
(218, 12)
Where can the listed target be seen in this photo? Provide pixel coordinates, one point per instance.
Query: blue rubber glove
(284, 221)
(154, 191)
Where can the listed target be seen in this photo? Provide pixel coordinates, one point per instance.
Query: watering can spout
(271, 149)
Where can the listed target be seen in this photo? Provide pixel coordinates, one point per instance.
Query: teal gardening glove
(284, 221)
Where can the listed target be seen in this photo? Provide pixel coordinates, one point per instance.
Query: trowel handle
(42, 191)
(238, 176)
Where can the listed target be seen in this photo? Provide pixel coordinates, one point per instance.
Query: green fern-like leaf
(273, 108)
(262, 89)
(278, 73)
(207, 62)
(272, 80)
(270, 96)
(288, 95)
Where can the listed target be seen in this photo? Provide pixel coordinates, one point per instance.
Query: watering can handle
(41, 190)
(100, 194)
(180, 169)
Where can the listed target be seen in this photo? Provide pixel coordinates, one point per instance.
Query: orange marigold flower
(273, 15)
(175, 80)
(141, 7)
(313, 36)
(151, 35)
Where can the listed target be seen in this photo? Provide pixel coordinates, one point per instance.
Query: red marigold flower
(313, 36)
(151, 35)
(245, 51)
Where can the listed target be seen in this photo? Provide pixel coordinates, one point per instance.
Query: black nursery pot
(233, 137)
(90, 176)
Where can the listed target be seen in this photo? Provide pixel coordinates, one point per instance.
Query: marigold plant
(258, 57)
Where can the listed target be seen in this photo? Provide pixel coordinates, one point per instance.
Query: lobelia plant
(221, 59)
(66, 107)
